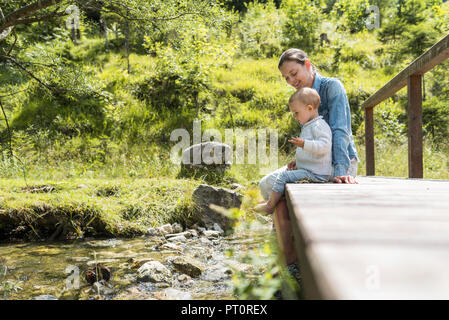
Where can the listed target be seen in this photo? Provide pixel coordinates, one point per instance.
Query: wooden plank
(391, 200)
(369, 142)
(400, 233)
(432, 57)
(371, 220)
(354, 271)
(415, 158)
(399, 226)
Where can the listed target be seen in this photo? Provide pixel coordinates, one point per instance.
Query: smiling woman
(295, 71)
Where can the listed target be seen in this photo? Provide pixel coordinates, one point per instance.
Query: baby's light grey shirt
(316, 155)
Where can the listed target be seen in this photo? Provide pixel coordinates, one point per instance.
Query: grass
(391, 160)
(92, 207)
(125, 198)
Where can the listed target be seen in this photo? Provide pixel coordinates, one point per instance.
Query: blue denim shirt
(335, 110)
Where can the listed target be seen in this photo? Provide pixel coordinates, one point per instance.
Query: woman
(299, 72)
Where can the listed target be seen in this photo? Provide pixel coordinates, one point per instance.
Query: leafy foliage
(417, 39)
(261, 30)
(352, 14)
(301, 27)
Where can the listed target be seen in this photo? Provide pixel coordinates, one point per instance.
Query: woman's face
(297, 75)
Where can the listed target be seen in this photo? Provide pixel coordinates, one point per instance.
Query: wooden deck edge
(314, 285)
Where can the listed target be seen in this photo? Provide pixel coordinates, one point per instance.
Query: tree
(412, 11)
(352, 13)
(72, 87)
(406, 14)
(241, 6)
(302, 24)
(417, 39)
(139, 14)
(260, 30)
(183, 69)
(28, 14)
(411, 28)
(392, 29)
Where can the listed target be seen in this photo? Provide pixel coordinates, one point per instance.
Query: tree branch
(8, 30)
(13, 45)
(115, 10)
(12, 94)
(36, 19)
(12, 19)
(28, 72)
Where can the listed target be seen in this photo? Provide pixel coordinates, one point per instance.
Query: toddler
(313, 153)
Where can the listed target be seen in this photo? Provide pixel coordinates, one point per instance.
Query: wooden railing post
(415, 149)
(369, 141)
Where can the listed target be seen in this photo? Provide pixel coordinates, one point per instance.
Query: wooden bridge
(384, 238)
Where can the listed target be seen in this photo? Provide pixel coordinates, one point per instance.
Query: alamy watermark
(372, 280)
(73, 280)
(373, 21)
(256, 142)
(73, 20)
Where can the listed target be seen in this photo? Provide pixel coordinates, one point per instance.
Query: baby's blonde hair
(306, 96)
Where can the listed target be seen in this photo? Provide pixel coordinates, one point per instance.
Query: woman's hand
(291, 165)
(345, 179)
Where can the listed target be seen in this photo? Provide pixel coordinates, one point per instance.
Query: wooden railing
(412, 77)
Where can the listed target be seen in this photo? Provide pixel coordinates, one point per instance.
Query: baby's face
(301, 112)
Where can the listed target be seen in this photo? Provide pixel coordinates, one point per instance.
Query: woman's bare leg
(284, 231)
(269, 206)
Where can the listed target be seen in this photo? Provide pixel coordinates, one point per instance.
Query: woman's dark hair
(296, 55)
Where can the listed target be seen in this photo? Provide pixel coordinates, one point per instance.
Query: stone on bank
(205, 195)
(153, 271)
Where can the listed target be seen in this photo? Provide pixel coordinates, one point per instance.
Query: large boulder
(205, 195)
(210, 155)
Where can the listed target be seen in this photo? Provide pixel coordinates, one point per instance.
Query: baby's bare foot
(263, 208)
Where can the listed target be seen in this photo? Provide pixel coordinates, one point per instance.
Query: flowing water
(28, 270)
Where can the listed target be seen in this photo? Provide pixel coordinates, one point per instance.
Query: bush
(64, 111)
(357, 54)
(436, 119)
(183, 73)
(388, 123)
(302, 24)
(353, 14)
(356, 97)
(417, 39)
(261, 31)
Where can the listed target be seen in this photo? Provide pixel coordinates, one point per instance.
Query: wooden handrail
(429, 59)
(412, 77)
